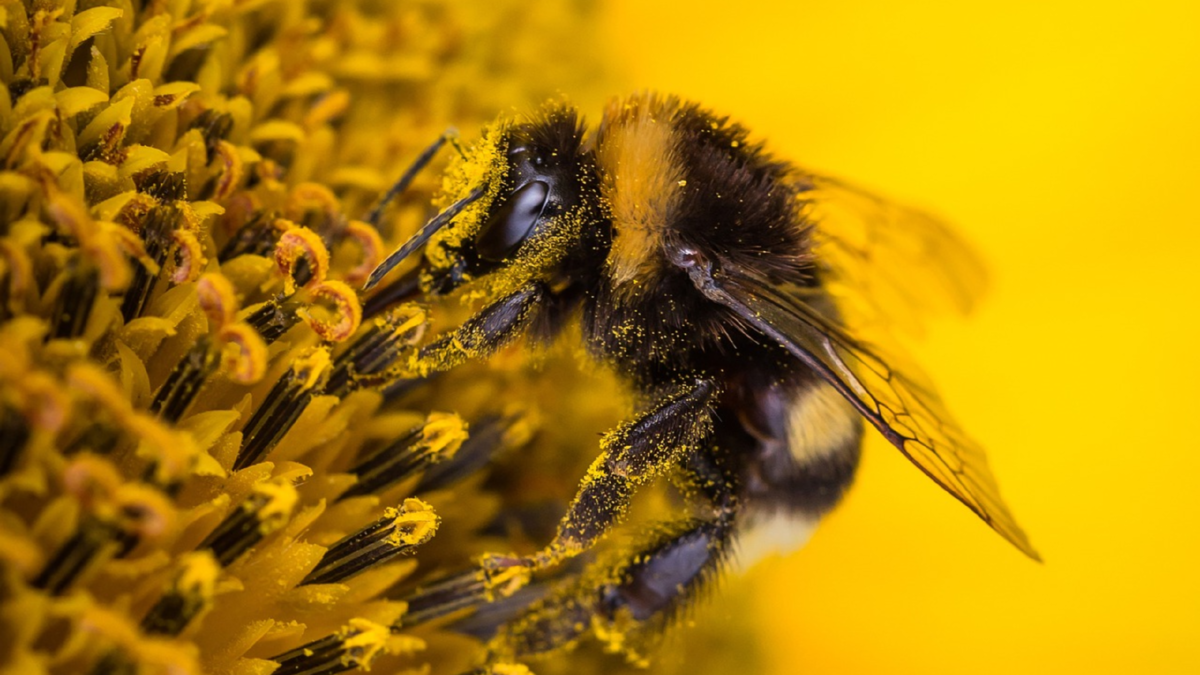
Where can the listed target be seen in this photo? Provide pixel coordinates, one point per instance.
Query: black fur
(738, 205)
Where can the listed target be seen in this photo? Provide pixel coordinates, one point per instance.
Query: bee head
(526, 183)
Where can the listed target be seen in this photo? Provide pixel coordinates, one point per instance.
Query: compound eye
(511, 224)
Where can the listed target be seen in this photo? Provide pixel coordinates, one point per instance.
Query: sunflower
(214, 457)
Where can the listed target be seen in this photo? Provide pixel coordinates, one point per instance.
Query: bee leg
(633, 454)
(485, 332)
(628, 604)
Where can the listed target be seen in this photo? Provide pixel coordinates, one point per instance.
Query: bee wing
(888, 265)
(909, 414)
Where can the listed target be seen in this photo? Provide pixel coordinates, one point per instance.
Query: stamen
(274, 317)
(354, 646)
(114, 525)
(243, 354)
(267, 509)
(398, 532)
(189, 257)
(239, 351)
(171, 453)
(441, 598)
(347, 311)
(282, 407)
(215, 127)
(368, 360)
(157, 233)
(75, 300)
(232, 172)
(491, 435)
(372, 250)
(185, 381)
(92, 542)
(133, 213)
(163, 185)
(297, 244)
(438, 440)
(189, 594)
(307, 199)
(256, 237)
(129, 243)
(217, 298)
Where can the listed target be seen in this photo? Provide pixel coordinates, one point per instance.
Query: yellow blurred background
(1064, 140)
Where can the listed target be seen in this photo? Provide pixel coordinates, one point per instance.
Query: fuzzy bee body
(675, 177)
(693, 264)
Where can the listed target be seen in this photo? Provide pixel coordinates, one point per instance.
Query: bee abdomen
(807, 451)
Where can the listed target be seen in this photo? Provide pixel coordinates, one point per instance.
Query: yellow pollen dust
(444, 433)
(416, 524)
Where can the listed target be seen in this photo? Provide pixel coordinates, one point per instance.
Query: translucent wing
(908, 414)
(888, 265)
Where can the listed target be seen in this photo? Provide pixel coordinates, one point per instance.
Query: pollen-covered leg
(485, 332)
(633, 454)
(627, 604)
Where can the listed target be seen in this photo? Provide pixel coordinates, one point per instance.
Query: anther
(217, 298)
(233, 170)
(397, 533)
(354, 646)
(117, 519)
(343, 318)
(372, 250)
(188, 594)
(282, 407)
(76, 298)
(243, 353)
(490, 436)
(368, 361)
(314, 206)
(444, 597)
(299, 244)
(163, 185)
(214, 127)
(267, 509)
(256, 237)
(438, 440)
(92, 542)
(274, 317)
(157, 232)
(189, 257)
(185, 380)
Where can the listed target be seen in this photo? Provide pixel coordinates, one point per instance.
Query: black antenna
(439, 221)
(406, 179)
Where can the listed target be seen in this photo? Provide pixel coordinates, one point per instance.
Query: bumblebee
(702, 271)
